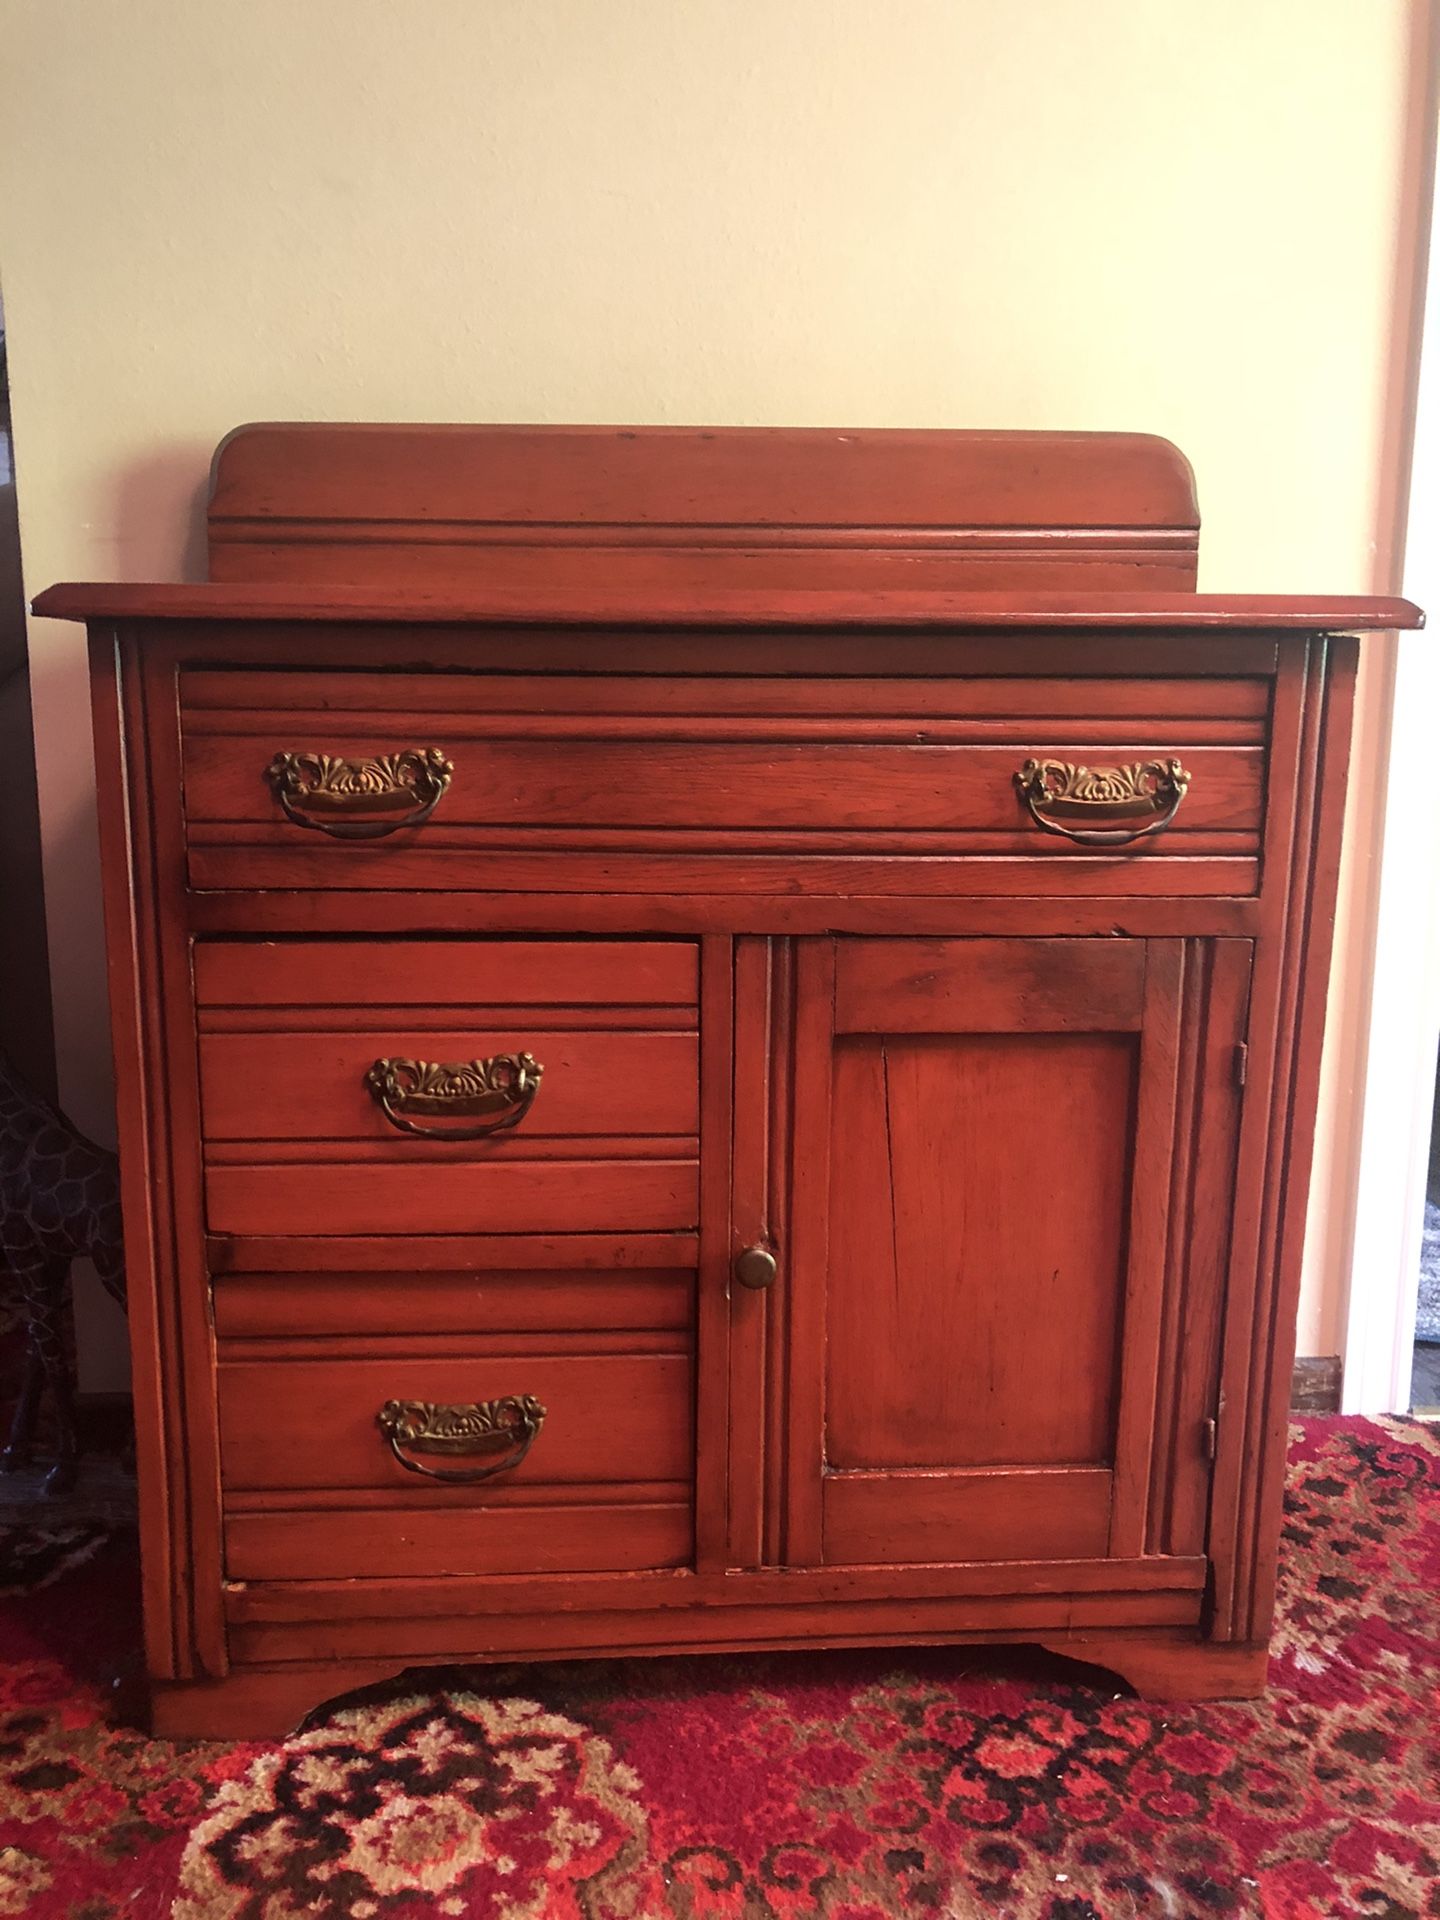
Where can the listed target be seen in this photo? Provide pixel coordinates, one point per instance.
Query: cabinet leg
(257, 1704)
(1178, 1670)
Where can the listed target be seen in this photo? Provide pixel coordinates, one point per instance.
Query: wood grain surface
(733, 846)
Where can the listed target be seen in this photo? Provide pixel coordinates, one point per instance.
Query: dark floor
(1425, 1383)
(103, 1490)
(1425, 1388)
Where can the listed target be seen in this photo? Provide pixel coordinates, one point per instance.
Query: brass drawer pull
(346, 794)
(1148, 793)
(499, 1092)
(508, 1425)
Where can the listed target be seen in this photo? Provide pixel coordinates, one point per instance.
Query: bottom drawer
(469, 1452)
(349, 1544)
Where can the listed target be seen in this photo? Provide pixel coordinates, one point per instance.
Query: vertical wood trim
(1146, 1259)
(1260, 1329)
(178, 1174)
(712, 1303)
(1334, 660)
(1203, 1188)
(1262, 1296)
(749, 1222)
(804, 1274)
(126, 878)
(782, 1061)
(1293, 724)
(1212, 1221)
(1165, 1457)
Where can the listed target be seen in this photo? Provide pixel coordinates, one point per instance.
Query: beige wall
(1011, 213)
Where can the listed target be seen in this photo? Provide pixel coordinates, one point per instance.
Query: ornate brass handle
(1149, 793)
(499, 1091)
(346, 794)
(508, 1425)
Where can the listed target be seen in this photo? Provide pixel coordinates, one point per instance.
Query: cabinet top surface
(725, 608)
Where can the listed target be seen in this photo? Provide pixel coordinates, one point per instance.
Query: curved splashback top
(736, 507)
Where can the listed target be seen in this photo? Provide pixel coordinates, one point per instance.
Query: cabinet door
(1011, 1171)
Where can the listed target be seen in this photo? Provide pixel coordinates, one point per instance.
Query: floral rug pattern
(847, 1786)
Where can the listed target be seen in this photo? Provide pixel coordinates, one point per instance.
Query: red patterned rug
(855, 1787)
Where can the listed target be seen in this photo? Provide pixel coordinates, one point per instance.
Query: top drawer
(711, 784)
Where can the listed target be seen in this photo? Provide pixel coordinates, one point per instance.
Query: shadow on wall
(154, 529)
(160, 506)
(26, 1028)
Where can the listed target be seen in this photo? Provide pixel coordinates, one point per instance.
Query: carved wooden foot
(258, 1703)
(1178, 1669)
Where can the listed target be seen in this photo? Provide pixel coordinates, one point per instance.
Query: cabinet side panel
(1310, 938)
(182, 1278)
(1310, 734)
(125, 880)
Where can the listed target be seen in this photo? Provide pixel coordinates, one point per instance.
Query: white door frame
(1403, 1033)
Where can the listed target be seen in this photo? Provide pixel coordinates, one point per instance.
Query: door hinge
(1242, 1062)
(1210, 1437)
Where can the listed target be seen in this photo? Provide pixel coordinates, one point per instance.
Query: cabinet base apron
(268, 1702)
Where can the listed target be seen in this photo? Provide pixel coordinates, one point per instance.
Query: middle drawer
(448, 1086)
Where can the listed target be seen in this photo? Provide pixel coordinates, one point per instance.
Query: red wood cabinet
(716, 1037)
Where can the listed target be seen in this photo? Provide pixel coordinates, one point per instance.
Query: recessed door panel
(977, 1251)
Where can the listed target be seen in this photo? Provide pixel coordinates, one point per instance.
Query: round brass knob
(755, 1267)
